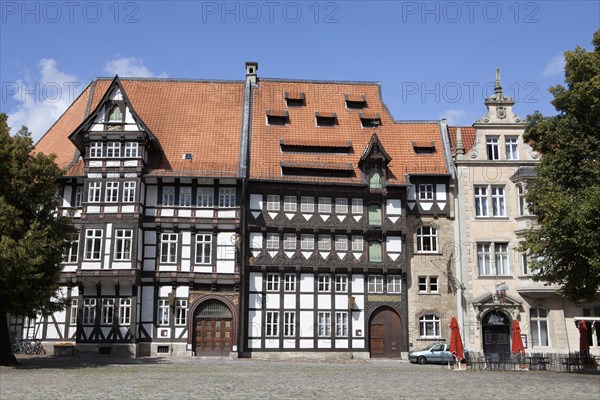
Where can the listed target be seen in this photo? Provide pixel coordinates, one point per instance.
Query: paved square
(192, 378)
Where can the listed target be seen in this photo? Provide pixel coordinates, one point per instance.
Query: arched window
(539, 326)
(427, 240)
(375, 178)
(429, 326)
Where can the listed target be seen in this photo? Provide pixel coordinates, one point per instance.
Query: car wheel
(422, 360)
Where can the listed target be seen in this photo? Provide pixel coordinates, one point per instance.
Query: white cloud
(129, 67)
(555, 66)
(41, 97)
(454, 116)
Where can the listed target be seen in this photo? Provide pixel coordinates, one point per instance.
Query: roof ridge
(364, 83)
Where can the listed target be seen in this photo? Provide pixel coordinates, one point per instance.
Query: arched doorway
(385, 333)
(496, 333)
(213, 328)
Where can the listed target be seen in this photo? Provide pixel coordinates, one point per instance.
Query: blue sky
(434, 59)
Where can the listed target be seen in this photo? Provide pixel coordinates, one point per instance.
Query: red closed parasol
(584, 344)
(517, 341)
(456, 344)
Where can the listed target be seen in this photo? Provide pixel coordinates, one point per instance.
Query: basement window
(326, 119)
(163, 350)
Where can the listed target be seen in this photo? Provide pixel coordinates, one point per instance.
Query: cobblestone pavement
(197, 378)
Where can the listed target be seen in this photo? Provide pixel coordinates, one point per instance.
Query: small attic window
(295, 99)
(354, 102)
(115, 115)
(277, 117)
(423, 147)
(326, 119)
(370, 120)
(186, 156)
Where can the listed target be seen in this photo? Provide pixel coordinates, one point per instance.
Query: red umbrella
(584, 345)
(517, 341)
(456, 344)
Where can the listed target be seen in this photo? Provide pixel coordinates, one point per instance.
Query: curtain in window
(375, 252)
(374, 215)
(375, 180)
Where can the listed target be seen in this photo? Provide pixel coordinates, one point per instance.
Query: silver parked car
(437, 353)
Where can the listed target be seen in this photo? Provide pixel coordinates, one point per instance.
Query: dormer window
(370, 120)
(114, 120)
(277, 117)
(423, 147)
(295, 99)
(375, 178)
(326, 119)
(354, 102)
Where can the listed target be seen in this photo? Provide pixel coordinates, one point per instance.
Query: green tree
(31, 234)
(566, 194)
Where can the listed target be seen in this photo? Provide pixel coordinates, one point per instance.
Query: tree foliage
(31, 234)
(566, 194)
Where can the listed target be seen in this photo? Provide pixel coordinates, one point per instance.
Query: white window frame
(89, 311)
(341, 243)
(289, 283)
(498, 201)
(227, 197)
(164, 312)
(78, 196)
(272, 241)
(289, 241)
(307, 204)
(394, 284)
(523, 205)
(273, 202)
(181, 312)
(539, 327)
(428, 284)
(129, 191)
(307, 242)
(429, 323)
(427, 237)
(168, 196)
(341, 283)
(324, 205)
(123, 244)
(425, 191)
(95, 192)
(273, 281)
(324, 323)
(492, 146)
(74, 312)
(108, 311)
(324, 283)
(375, 284)
(484, 259)
(357, 206)
(341, 205)
(93, 245)
(499, 253)
(272, 324)
(125, 311)
(205, 197)
(168, 247)
(96, 149)
(289, 323)
(131, 150)
(113, 150)
(290, 204)
(341, 324)
(111, 192)
(511, 144)
(481, 200)
(358, 243)
(185, 196)
(203, 248)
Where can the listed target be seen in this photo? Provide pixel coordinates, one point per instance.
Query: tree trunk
(6, 355)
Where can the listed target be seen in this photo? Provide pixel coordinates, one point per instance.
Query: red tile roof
(199, 117)
(468, 137)
(396, 137)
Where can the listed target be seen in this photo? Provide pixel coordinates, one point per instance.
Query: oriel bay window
(112, 192)
(123, 242)
(168, 248)
(131, 150)
(113, 149)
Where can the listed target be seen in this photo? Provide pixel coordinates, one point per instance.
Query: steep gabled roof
(327, 97)
(199, 117)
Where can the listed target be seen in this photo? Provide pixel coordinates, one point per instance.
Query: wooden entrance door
(213, 332)
(385, 334)
(496, 333)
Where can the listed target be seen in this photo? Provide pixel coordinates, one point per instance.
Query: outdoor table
(538, 363)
